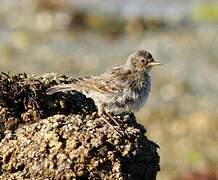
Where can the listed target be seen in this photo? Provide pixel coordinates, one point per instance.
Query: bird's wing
(113, 82)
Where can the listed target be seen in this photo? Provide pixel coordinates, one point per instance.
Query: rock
(62, 137)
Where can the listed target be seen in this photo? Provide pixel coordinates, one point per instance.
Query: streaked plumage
(123, 89)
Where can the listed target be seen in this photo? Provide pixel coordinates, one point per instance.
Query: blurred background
(80, 38)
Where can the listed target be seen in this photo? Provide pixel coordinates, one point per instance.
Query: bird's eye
(142, 60)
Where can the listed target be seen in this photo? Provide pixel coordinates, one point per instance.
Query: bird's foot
(112, 118)
(106, 117)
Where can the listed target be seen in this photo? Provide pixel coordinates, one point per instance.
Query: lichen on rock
(62, 136)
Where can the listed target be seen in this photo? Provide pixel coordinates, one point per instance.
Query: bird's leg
(105, 120)
(103, 114)
(111, 117)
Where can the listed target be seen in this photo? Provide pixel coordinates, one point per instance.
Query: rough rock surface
(62, 137)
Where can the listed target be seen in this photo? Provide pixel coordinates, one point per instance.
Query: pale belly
(121, 103)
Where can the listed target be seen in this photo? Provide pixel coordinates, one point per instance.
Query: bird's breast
(137, 98)
(139, 92)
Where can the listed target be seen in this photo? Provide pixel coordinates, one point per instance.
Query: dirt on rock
(62, 137)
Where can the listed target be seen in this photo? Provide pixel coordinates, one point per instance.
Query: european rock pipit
(124, 88)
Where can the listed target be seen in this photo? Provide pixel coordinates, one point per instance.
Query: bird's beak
(154, 63)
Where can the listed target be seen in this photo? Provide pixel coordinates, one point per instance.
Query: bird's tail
(60, 88)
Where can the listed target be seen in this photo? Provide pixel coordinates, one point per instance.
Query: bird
(124, 88)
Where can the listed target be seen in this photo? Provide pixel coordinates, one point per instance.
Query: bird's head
(142, 60)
